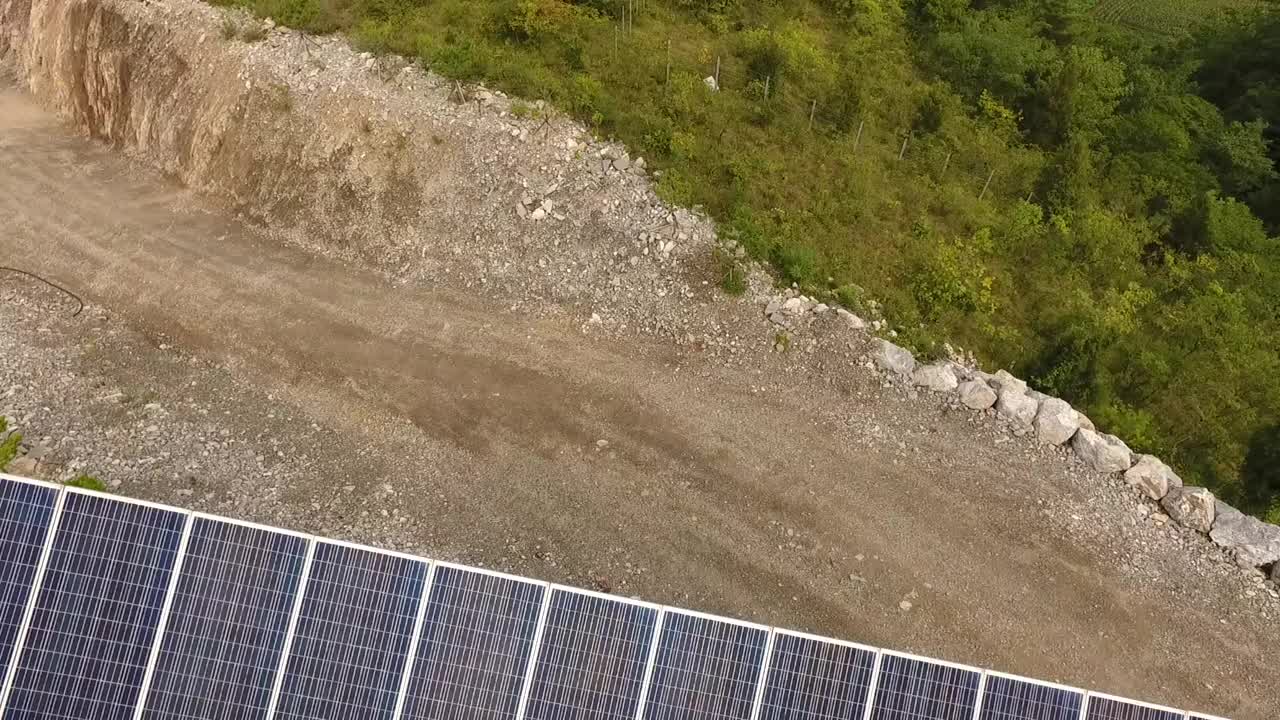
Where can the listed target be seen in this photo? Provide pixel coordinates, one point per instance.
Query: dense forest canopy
(1065, 194)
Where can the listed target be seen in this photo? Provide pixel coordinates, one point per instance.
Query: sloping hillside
(1045, 189)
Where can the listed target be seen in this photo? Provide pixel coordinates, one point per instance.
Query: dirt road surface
(430, 420)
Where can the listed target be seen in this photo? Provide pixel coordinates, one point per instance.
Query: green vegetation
(1092, 207)
(88, 482)
(1165, 18)
(8, 448)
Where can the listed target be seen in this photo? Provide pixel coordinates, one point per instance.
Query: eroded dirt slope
(217, 368)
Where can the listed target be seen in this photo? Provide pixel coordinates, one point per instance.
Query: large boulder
(1104, 453)
(1152, 477)
(1191, 507)
(1253, 543)
(977, 394)
(851, 320)
(938, 377)
(1003, 380)
(891, 358)
(1016, 405)
(1056, 421)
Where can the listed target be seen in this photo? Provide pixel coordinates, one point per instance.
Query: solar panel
(706, 668)
(1010, 698)
(352, 635)
(26, 511)
(592, 658)
(473, 652)
(916, 689)
(814, 678)
(96, 612)
(1105, 707)
(227, 623)
(124, 610)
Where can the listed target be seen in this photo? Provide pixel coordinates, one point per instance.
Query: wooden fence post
(668, 63)
(987, 184)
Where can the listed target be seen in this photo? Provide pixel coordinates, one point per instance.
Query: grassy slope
(1165, 18)
(834, 210)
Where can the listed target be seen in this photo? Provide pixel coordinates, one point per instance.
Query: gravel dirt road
(217, 369)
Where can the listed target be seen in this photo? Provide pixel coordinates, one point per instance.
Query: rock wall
(1253, 543)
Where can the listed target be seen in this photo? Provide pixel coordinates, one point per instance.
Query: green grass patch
(88, 482)
(8, 448)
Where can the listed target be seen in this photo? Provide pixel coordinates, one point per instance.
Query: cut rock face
(1191, 507)
(1104, 453)
(1253, 543)
(892, 358)
(977, 394)
(1056, 421)
(1152, 477)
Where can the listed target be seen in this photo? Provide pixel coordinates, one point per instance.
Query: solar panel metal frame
(65, 491)
(884, 653)
(665, 610)
(550, 588)
(316, 541)
(177, 570)
(37, 579)
(535, 652)
(768, 665)
(411, 653)
(1089, 696)
(530, 663)
(149, 672)
(1084, 694)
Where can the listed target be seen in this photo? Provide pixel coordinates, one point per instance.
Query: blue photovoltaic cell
(811, 679)
(592, 659)
(97, 610)
(1015, 699)
(25, 513)
(353, 633)
(910, 689)
(705, 668)
(474, 650)
(1101, 708)
(227, 623)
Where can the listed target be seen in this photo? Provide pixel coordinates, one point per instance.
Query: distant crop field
(1166, 18)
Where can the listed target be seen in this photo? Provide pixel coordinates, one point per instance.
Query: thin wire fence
(789, 107)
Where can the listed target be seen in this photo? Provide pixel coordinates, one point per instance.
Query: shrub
(8, 448)
(88, 482)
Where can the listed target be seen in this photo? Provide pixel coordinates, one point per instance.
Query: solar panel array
(116, 609)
